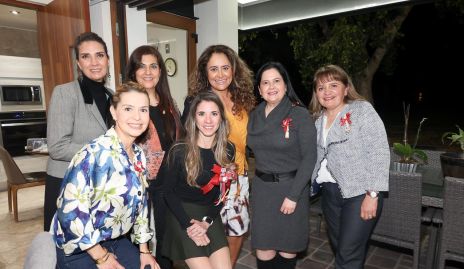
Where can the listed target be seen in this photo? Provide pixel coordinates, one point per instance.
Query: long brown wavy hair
(172, 123)
(192, 159)
(241, 87)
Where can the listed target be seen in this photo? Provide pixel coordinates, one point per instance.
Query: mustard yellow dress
(234, 214)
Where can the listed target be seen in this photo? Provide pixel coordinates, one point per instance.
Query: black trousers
(159, 208)
(52, 191)
(348, 233)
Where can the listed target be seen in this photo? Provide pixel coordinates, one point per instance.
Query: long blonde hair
(192, 159)
(328, 73)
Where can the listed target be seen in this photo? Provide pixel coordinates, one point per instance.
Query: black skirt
(178, 246)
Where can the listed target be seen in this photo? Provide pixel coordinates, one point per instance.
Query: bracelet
(104, 258)
(146, 252)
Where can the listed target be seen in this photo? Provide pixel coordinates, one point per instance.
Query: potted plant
(452, 163)
(409, 155)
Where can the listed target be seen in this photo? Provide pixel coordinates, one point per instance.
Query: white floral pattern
(102, 197)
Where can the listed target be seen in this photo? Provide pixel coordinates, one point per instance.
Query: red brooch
(223, 177)
(286, 123)
(346, 121)
(138, 166)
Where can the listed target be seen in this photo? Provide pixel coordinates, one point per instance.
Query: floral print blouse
(102, 196)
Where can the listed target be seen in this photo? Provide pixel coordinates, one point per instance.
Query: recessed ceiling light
(15, 12)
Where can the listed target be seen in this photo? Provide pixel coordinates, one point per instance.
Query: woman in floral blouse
(103, 194)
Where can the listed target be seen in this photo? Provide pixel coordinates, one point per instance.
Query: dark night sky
(430, 62)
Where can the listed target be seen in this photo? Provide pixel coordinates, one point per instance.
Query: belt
(274, 177)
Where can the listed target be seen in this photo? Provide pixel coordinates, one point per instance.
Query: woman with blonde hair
(103, 196)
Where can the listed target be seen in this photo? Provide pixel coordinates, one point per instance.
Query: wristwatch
(372, 194)
(208, 220)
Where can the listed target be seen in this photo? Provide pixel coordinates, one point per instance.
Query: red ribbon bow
(222, 177)
(139, 167)
(286, 123)
(345, 119)
(214, 181)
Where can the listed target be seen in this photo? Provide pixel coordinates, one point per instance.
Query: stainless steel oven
(17, 126)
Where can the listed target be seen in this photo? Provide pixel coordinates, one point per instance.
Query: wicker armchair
(452, 235)
(400, 221)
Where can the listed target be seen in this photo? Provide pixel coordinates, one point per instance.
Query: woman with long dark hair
(146, 67)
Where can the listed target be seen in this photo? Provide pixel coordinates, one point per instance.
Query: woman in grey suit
(352, 164)
(282, 137)
(78, 112)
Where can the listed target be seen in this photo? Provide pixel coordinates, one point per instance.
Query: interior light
(15, 12)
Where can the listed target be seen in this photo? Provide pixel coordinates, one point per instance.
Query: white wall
(136, 28)
(176, 39)
(217, 24)
(100, 23)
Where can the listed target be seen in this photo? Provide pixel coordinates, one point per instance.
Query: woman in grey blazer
(352, 164)
(78, 112)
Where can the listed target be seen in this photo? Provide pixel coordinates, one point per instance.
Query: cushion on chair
(41, 253)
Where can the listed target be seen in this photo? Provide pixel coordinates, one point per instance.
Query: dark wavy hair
(241, 87)
(283, 72)
(166, 102)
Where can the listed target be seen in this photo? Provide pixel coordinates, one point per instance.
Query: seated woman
(103, 194)
(200, 172)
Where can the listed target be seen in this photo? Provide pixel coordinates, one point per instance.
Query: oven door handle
(23, 123)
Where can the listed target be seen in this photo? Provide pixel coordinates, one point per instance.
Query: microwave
(20, 95)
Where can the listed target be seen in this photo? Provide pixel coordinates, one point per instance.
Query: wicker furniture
(400, 221)
(17, 180)
(452, 235)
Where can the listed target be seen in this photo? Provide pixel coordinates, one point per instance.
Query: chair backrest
(401, 213)
(12, 171)
(41, 253)
(453, 215)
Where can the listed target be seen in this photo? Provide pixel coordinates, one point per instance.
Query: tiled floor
(16, 237)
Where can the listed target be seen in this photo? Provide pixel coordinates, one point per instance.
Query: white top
(323, 175)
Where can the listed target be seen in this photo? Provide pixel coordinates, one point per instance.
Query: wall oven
(17, 126)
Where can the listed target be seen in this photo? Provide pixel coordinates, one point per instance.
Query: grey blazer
(358, 156)
(71, 123)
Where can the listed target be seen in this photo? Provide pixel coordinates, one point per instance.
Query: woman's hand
(288, 207)
(111, 263)
(369, 208)
(148, 259)
(201, 240)
(197, 228)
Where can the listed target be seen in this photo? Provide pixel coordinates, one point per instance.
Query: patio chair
(16, 180)
(452, 235)
(400, 221)
(41, 253)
